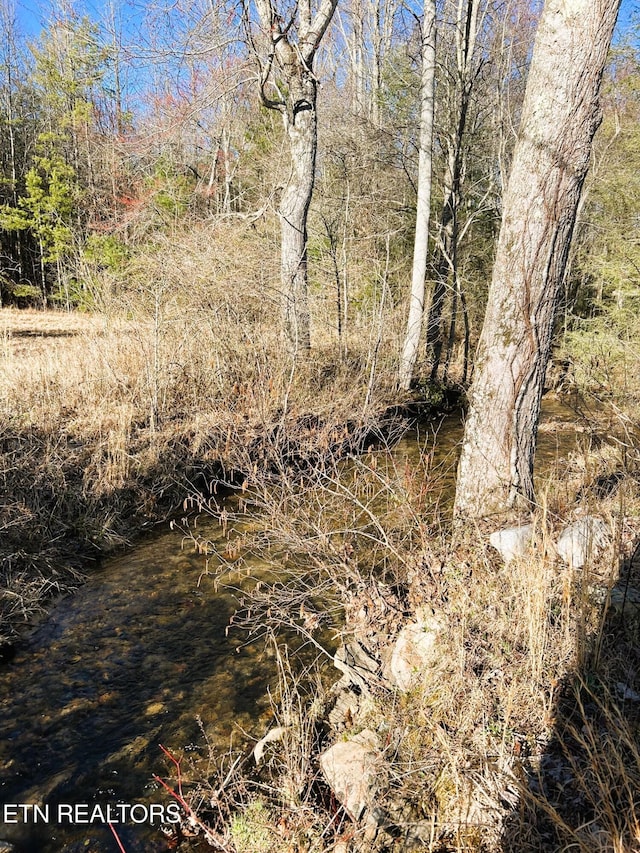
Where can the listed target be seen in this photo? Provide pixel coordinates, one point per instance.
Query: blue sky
(32, 14)
(627, 9)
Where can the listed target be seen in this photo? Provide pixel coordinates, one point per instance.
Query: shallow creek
(138, 657)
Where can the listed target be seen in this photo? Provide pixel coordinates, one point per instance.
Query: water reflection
(122, 666)
(435, 446)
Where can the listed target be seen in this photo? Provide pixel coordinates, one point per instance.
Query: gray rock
(345, 710)
(357, 665)
(419, 835)
(414, 651)
(512, 542)
(582, 539)
(350, 770)
(627, 693)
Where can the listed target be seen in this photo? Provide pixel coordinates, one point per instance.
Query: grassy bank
(521, 735)
(176, 379)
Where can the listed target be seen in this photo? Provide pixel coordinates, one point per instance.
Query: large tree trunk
(425, 171)
(301, 127)
(559, 119)
(294, 95)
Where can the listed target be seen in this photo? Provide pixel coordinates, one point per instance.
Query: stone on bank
(414, 652)
(583, 538)
(350, 770)
(512, 542)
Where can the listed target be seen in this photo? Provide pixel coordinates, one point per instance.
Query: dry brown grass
(105, 419)
(520, 738)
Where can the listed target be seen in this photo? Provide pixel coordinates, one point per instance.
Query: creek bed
(140, 656)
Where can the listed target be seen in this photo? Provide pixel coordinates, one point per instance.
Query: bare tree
(559, 119)
(459, 81)
(288, 84)
(425, 171)
(368, 28)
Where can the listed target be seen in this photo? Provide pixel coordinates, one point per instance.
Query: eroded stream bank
(138, 657)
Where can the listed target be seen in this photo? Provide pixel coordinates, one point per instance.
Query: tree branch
(311, 38)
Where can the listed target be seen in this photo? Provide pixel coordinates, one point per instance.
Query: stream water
(140, 657)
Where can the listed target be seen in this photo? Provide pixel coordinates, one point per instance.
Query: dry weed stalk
(464, 749)
(181, 377)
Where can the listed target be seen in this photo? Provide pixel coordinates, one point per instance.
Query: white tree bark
(301, 127)
(367, 28)
(559, 119)
(381, 14)
(357, 54)
(425, 171)
(296, 100)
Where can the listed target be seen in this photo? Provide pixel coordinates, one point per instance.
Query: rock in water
(271, 737)
(581, 539)
(512, 542)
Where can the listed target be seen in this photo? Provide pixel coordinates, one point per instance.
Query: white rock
(350, 770)
(581, 539)
(512, 542)
(414, 650)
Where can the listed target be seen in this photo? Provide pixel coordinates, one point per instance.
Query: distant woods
(121, 132)
(120, 129)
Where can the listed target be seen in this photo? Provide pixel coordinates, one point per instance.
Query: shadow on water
(581, 793)
(125, 664)
(441, 438)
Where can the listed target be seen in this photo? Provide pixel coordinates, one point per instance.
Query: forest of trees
(112, 135)
(344, 123)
